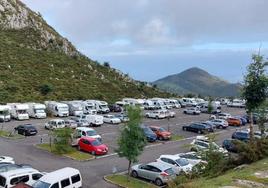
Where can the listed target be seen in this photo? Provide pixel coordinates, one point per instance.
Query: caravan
(57, 109)
(19, 111)
(75, 107)
(5, 113)
(37, 110)
(88, 107)
(101, 107)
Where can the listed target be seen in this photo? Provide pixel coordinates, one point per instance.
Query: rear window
(65, 183)
(169, 171)
(19, 179)
(2, 181)
(75, 178)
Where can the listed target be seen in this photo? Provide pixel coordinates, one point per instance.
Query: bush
(62, 139)
(46, 89)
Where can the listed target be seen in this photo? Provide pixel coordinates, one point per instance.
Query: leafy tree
(210, 108)
(132, 140)
(45, 89)
(255, 86)
(62, 138)
(262, 116)
(106, 64)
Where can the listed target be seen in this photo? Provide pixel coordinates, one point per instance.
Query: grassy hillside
(197, 81)
(27, 68)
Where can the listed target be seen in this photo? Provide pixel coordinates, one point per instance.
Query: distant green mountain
(197, 81)
(37, 64)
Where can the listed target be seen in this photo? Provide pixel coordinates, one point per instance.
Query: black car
(230, 145)
(198, 128)
(115, 108)
(26, 130)
(241, 135)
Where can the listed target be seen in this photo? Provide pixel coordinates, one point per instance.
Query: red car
(161, 133)
(92, 145)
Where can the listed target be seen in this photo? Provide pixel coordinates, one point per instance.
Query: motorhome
(101, 107)
(174, 103)
(19, 111)
(63, 178)
(5, 113)
(188, 102)
(57, 109)
(92, 119)
(88, 107)
(159, 103)
(75, 107)
(37, 110)
(149, 105)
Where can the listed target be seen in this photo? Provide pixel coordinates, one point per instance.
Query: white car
(55, 124)
(6, 159)
(111, 119)
(177, 163)
(224, 116)
(169, 114)
(192, 157)
(84, 132)
(158, 114)
(194, 111)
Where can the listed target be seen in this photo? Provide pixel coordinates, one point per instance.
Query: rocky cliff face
(15, 15)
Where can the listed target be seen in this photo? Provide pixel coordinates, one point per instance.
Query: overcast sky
(150, 39)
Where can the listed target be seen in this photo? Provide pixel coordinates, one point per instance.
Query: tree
(210, 107)
(262, 116)
(45, 89)
(255, 87)
(106, 64)
(132, 140)
(62, 138)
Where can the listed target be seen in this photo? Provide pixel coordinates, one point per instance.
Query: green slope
(197, 81)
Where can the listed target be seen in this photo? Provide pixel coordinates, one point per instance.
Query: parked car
(257, 134)
(115, 108)
(81, 132)
(26, 130)
(198, 128)
(70, 123)
(230, 145)
(234, 121)
(5, 167)
(157, 172)
(192, 157)
(149, 134)
(122, 117)
(65, 177)
(6, 159)
(80, 122)
(193, 111)
(158, 114)
(55, 124)
(219, 123)
(208, 124)
(243, 120)
(177, 163)
(224, 116)
(92, 145)
(241, 135)
(111, 119)
(169, 114)
(161, 133)
(202, 143)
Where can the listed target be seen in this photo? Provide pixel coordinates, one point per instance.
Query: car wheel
(194, 113)
(184, 128)
(93, 153)
(158, 182)
(160, 138)
(147, 115)
(156, 117)
(221, 127)
(111, 122)
(134, 174)
(184, 112)
(199, 132)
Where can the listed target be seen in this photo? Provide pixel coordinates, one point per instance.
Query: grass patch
(176, 137)
(246, 173)
(7, 134)
(132, 183)
(74, 154)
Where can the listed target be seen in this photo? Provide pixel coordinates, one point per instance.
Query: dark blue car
(242, 119)
(229, 145)
(241, 135)
(149, 134)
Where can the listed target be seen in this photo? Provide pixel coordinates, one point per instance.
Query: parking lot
(92, 171)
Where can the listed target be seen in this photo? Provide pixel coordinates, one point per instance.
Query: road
(93, 171)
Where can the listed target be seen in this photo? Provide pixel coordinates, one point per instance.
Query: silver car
(158, 172)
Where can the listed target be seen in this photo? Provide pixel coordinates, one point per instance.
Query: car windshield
(91, 133)
(41, 184)
(147, 130)
(96, 143)
(182, 162)
(39, 111)
(161, 129)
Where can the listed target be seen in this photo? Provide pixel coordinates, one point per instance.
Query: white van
(25, 175)
(93, 120)
(84, 132)
(57, 109)
(37, 110)
(55, 124)
(62, 178)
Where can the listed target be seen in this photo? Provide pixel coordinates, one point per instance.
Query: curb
(109, 181)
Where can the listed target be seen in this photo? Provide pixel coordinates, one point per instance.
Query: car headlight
(99, 150)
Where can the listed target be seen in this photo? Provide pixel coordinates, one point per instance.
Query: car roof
(84, 129)
(173, 157)
(19, 171)
(159, 165)
(60, 174)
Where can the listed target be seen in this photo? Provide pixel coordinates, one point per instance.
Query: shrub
(62, 139)
(46, 89)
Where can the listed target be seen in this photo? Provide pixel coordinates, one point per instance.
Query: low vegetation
(11, 135)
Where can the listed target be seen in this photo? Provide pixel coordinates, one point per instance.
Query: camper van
(19, 111)
(63, 178)
(37, 110)
(5, 113)
(101, 107)
(88, 107)
(75, 107)
(92, 119)
(22, 175)
(57, 109)
(190, 102)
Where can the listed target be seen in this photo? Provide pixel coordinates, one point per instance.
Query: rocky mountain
(197, 81)
(37, 63)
